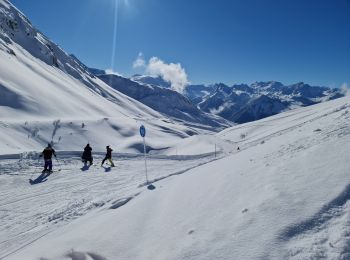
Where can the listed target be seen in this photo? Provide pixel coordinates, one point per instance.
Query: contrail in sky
(116, 6)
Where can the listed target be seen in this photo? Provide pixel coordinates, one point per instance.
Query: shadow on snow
(42, 178)
(326, 213)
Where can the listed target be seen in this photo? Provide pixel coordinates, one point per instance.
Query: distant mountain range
(243, 103)
(238, 103)
(163, 100)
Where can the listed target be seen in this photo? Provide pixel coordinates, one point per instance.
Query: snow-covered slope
(284, 195)
(47, 95)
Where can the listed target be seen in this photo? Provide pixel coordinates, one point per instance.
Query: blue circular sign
(142, 131)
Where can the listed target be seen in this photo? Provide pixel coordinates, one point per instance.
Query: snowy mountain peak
(16, 28)
(262, 85)
(221, 87)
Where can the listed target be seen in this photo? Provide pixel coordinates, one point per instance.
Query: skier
(87, 156)
(108, 156)
(47, 153)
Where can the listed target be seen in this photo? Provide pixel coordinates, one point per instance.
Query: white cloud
(173, 73)
(110, 71)
(345, 89)
(221, 108)
(139, 62)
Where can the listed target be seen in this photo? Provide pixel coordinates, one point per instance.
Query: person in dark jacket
(47, 154)
(108, 156)
(87, 156)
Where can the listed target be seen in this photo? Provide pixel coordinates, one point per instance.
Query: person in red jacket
(108, 156)
(47, 153)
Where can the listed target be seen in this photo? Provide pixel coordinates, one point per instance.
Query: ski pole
(58, 164)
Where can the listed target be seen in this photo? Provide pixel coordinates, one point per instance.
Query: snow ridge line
(121, 202)
(179, 172)
(65, 154)
(280, 132)
(325, 214)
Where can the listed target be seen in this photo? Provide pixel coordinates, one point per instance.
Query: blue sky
(230, 41)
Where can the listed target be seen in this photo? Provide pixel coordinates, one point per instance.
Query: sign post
(143, 134)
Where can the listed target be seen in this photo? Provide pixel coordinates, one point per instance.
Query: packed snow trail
(28, 212)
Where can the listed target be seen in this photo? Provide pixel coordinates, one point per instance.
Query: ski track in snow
(253, 140)
(29, 212)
